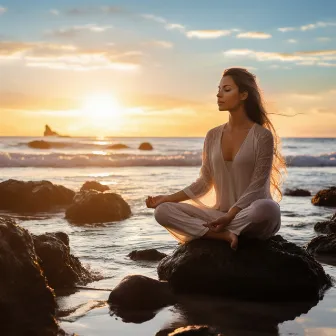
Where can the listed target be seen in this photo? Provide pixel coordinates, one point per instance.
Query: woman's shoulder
(262, 132)
(214, 131)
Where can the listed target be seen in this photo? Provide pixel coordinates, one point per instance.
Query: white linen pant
(261, 219)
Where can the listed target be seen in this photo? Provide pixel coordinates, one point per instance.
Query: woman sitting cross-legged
(240, 172)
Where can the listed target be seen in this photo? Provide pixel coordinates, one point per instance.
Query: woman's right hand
(153, 202)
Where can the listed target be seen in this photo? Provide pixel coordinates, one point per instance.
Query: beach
(134, 174)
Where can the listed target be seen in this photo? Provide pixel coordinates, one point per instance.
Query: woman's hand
(219, 224)
(153, 202)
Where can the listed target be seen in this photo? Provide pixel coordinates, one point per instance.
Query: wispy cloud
(310, 26)
(207, 34)
(254, 35)
(159, 43)
(70, 32)
(292, 41)
(3, 10)
(55, 12)
(323, 39)
(316, 57)
(69, 57)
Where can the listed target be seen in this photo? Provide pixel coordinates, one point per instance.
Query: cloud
(160, 43)
(323, 39)
(3, 10)
(254, 35)
(69, 57)
(292, 41)
(310, 26)
(70, 32)
(305, 97)
(207, 34)
(54, 12)
(316, 57)
(177, 26)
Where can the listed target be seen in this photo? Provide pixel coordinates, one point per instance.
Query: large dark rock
(150, 255)
(328, 226)
(137, 298)
(323, 245)
(325, 197)
(145, 146)
(27, 304)
(49, 132)
(91, 206)
(33, 196)
(297, 192)
(273, 269)
(61, 268)
(39, 144)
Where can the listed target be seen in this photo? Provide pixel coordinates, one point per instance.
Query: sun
(102, 107)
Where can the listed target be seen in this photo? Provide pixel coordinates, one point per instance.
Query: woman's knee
(161, 213)
(264, 210)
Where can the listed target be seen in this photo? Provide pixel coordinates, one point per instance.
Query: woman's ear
(244, 95)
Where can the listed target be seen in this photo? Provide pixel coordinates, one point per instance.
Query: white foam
(129, 160)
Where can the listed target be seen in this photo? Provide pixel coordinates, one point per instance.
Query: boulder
(118, 146)
(90, 206)
(62, 269)
(49, 132)
(94, 185)
(323, 245)
(138, 292)
(328, 226)
(297, 192)
(325, 197)
(27, 303)
(39, 144)
(273, 269)
(145, 146)
(33, 196)
(149, 255)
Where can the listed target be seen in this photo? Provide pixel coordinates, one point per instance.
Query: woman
(240, 171)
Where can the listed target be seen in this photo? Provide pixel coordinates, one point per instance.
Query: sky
(152, 67)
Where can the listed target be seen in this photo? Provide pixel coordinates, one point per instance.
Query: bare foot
(228, 236)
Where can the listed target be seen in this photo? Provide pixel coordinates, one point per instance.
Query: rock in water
(39, 144)
(274, 269)
(325, 197)
(49, 132)
(94, 185)
(323, 245)
(328, 226)
(150, 255)
(118, 146)
(297, 192)
(61, 268)
(145, 146)
(91, 206)
(33, 196)
(27, 304)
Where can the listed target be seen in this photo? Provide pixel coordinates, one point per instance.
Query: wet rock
(274, 269)
(27, 304)
(61, 268)
(138, 292)
(33, 196)
(94, 185)
(91, 206)
(49, 132)
(145, 146)
(297, 192)
(150, 255)
(39, 144)
(323, 245)
(117, 146)
(328, 226)
(325, 197)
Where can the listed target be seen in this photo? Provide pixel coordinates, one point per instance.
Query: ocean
(134, 174)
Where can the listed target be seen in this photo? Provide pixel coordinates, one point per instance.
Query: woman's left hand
(219, 224)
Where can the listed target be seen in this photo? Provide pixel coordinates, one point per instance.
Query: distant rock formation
(94, 185)
(49, 132)
(118, 146)
(39, 144)
(145, 146)
(297, 192)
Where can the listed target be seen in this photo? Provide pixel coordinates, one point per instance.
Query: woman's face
(228, 96)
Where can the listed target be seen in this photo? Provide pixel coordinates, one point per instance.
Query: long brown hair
(255, 110)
